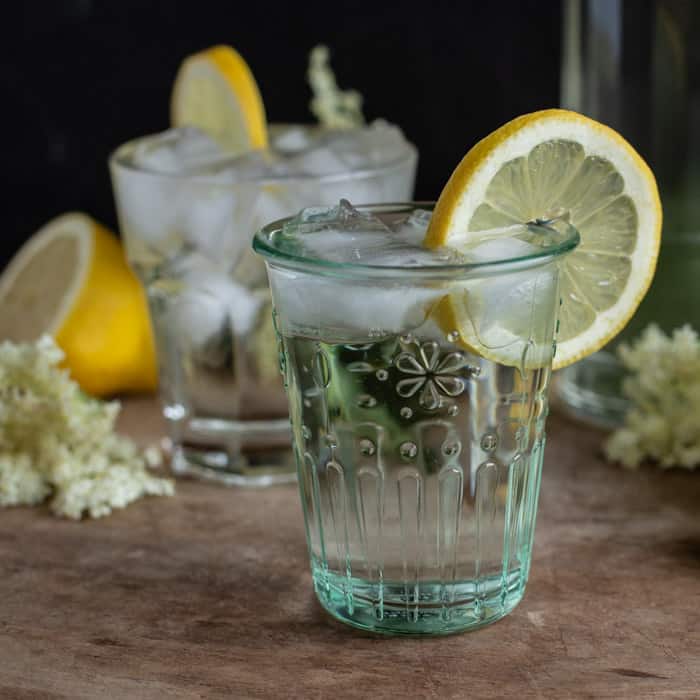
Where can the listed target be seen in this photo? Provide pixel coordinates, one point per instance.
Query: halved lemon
(70, 280)
(556, 163)
(215, 90)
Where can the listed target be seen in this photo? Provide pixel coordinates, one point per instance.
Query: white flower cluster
(663, 421)
(334, 108)
(56, 441)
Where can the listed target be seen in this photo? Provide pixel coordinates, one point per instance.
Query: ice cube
(153, 200)
(216, 219)
(514, 308)
(378, 144)
(419, 218)
(147, 215)
(338, 234)
(210, 203)
(346, 310)
(178, 151)
(210, 309)
(288, 139)
(276, 201)
(343, 218)
(339, 151)
(317, 160)
(498, 247)
(411, 229)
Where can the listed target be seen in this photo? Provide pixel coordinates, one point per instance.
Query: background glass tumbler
(187, 237)
(419, 460)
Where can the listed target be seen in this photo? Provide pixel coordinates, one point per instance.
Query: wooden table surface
(208, 595)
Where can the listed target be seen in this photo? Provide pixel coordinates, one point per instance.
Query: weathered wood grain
(208, 595)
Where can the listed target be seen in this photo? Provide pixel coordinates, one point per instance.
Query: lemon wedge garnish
(215, 90)
(556, 163)
(70, 280)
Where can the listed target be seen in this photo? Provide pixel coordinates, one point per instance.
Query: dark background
(79, 77)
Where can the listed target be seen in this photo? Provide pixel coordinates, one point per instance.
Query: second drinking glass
(187, 213)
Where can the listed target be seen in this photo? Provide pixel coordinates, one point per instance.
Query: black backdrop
(78, 77)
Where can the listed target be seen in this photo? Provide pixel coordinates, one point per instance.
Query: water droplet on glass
(489, 441)
(307, 403)
(452, 410)
(453, 337)
(406, 412)
(305, 432)
(304, 369)
(367, 447)
(408, 450)
(451, 448)
(382, 375)
(406, 339)
(366, 401)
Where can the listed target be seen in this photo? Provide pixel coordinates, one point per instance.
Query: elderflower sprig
(663, 387)
(56, 441)
(334, 108)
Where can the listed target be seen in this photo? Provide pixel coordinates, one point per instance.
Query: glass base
(234, 453)
(428, 608)
(591, 390)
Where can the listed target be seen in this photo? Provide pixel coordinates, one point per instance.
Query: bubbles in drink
(489, 442)
(451, 448)
(367, 447)
(366, 401)
(408, 450)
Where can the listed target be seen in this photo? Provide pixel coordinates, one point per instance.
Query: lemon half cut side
(70, 280)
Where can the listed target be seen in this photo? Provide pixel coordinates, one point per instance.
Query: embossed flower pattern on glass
(430, 374)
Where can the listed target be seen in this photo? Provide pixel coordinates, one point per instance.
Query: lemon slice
(557, 163)
(215, 90)
(70, 280)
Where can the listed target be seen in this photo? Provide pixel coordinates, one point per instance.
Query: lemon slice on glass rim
(215, 90)
(550, 164)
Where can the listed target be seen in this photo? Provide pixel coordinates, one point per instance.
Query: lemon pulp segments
(215, 90)
(558, 163)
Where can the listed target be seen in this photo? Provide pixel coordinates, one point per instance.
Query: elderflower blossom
(334, 108)
(56, 441)
(663, 387)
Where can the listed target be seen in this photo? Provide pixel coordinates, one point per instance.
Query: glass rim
(287, 260)
(117, 158)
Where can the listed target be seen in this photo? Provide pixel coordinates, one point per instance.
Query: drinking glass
(418, 458)
(187, 238)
